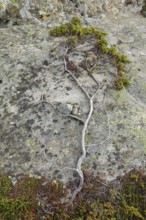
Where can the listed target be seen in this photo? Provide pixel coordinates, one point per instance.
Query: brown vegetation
(36, 199)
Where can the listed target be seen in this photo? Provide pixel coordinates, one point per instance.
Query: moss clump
(19, 201)
(132, 195)
(121, 82)
(76, 33)
(62, 30)
(34, 199)
(76, 21)
(119, 61)
(74, 28)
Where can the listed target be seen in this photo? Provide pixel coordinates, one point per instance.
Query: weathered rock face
(29, 8)
(35, 139)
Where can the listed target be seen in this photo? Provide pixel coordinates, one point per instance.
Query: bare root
(83, 144)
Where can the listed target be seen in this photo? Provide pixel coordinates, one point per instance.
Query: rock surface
(35, 140)
(34, 8)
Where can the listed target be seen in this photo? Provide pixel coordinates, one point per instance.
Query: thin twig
(73, 76)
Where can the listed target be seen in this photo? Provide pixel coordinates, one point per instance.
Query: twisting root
(83, 154)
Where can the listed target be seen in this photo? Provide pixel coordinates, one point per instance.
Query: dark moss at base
(76, 33)
(33, 199)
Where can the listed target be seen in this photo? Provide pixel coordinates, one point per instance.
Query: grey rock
(76, 110)
(64, 108)
(115, 136)
(137, 163)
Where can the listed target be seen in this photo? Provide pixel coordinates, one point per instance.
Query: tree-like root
(101, 54)
(90, 99)
(83, 144)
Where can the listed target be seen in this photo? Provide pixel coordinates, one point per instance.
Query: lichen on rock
(35, 140)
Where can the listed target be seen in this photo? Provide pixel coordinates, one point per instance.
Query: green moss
(17, 201)
(124, 59)
(62, 30)
(76, 33)
(121, 82)
(53, 49)
(132, 194)
(72, 41)
(74, 28)
(101, 41)
(12, 209)
(29, 198)
(5, 185)
(76, 21)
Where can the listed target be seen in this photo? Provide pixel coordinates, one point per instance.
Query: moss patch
(32, 198)
(76, 33)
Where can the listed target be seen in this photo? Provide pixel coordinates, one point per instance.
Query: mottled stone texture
(30, 8)
(34, 139)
